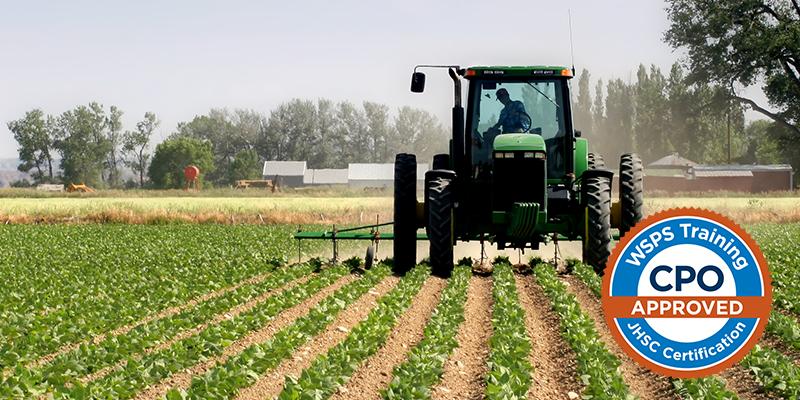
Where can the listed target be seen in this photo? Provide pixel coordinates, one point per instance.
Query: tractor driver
(512, 119)
(513, 116)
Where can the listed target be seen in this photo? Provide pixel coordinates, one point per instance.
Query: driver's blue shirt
(512, 117)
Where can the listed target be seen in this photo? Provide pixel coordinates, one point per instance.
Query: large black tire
(631, 191)
(597, 236)
(441, 161)
(596, 161)
(438, 185)
(405, 212)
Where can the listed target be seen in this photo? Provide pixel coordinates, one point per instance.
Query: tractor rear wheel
(596, 161)
(597, 236)
(405, 212)
(439, 192)
(631, 188)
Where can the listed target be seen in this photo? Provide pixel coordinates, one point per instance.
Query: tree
(115, 137)
(743, 42)
(598, 114)
(83, 144)
(380, 131)
(135, 143)
(175, 154)
(652, 114)
(583, 106)
(421, 133)
(34, 134)
(246, 165)
(620, 112)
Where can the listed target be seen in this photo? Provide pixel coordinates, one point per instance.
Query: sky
(181, 58)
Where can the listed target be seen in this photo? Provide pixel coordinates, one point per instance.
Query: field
(219, 311)
(168, 206)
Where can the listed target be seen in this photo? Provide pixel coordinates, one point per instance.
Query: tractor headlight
(539, 155)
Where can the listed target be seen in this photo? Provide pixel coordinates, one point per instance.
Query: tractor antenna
(571, 48)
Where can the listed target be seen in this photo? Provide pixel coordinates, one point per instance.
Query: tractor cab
(517, 175)
(517, 102)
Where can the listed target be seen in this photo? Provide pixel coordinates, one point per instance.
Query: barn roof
(744, 167)
(378, 172)
(284, 168)
(722, 173)
(672, 161)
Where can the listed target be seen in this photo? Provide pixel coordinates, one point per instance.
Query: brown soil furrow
(241, 308)
(642, 382)
(271, 384)
(376, 372)
(744, 384)
(554, 363)
(465, 371)
(182, 379)
(781, 346)
(162, 314)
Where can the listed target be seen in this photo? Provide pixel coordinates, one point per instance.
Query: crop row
(510, 370)
(65, 283)
(775, 371)
(779, 245)
(92, 357)
(414, 378)
(243, 369)
(210, 342)
(598, 367)
(711, 387)
(328, 372)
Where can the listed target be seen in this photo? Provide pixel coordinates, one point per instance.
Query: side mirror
(418, 82)
(578, 133)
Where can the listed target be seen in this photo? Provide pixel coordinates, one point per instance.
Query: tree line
(90, 145)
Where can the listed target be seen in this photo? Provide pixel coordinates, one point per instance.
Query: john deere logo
(687, 293)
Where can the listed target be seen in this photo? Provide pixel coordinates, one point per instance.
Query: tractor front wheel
(405, 212)
(438, 187)
(597, 236)
(596, 161)
(631, 191)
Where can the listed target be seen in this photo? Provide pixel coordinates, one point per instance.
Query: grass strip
(210, 342)
(329, 371)
(599, 368)
(414, 378)
(242, 370)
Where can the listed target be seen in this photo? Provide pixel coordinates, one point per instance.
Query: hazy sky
(180, 58)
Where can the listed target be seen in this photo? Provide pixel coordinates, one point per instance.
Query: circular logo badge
(687, 293)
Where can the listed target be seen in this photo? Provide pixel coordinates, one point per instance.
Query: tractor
(518, 173)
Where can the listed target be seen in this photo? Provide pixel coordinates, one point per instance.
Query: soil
(183, 379)
(161, 314)
(375, 373)
(743, 383)
(271, 384)
(554, 363)
(465, 370)
(644, 384)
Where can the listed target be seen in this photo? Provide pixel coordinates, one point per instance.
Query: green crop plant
(414, 378)
(510, 370)
(92, 357)
(329, 371)
(599, 368)
(242, 370)
(210, 342)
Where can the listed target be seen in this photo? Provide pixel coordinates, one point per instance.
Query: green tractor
(517, 175)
